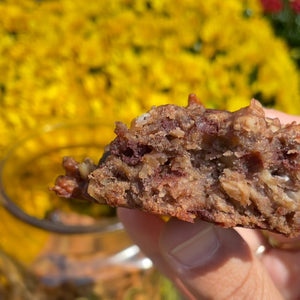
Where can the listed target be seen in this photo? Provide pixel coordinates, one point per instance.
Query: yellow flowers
(66, 59)
(72, 60)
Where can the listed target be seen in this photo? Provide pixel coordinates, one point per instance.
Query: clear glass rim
(47, 225)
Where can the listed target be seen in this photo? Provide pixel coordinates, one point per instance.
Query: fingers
(284, 265)
(206, 262)
(283, 117)
(254, 238)
(144, 230)
(214, 263)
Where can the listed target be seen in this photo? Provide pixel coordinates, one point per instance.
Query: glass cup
(52, 248)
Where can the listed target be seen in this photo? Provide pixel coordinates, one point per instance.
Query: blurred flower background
(66, 60)
(284, 16)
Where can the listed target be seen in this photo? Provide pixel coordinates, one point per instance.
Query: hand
(208, 262)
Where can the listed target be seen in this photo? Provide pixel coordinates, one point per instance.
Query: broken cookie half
(230, 168)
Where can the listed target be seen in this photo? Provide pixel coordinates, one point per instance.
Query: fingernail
(189, 245)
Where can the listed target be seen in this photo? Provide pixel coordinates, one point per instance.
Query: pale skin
(209, 262)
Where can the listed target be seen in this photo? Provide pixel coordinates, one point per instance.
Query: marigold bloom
(272, 6)
(295, 5)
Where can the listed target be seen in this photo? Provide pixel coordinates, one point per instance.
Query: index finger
(283, 117)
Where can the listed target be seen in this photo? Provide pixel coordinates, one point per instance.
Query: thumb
(214, 263)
